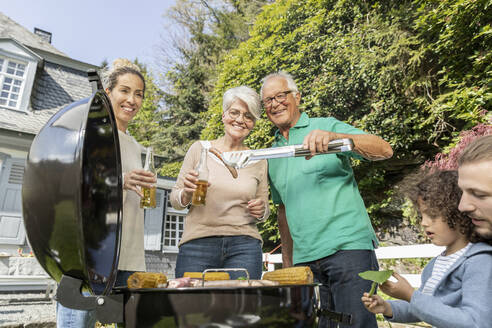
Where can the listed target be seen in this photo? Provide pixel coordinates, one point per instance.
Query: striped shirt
(441, 266)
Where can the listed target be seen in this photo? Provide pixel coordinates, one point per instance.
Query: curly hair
(440, 196)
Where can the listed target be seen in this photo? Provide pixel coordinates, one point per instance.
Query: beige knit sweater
(225, 212)
(132, 254)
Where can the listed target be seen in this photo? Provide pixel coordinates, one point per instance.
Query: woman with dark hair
(125, 86)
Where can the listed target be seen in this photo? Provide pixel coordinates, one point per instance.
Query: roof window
(12, 78)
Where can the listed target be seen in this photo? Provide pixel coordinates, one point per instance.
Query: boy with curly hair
(456, 285)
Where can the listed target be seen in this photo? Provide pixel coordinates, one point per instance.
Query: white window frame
(170, 236)
(11, 220)
(154, 218)
(4, 74)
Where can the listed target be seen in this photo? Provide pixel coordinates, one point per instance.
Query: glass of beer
(200, 193)
(148, 199)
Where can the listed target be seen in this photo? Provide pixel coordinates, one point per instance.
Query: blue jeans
(71, 318)
(221, 252)
(342, 287)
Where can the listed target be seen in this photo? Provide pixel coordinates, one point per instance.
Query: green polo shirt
(324, 209)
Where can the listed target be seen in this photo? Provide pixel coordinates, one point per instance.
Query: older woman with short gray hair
(247, 95)
(223, 232)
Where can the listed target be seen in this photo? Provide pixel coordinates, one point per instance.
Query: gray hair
(291, 84)
(246, 94)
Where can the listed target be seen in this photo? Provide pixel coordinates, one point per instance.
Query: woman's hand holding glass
(189, 183)
(138, 178)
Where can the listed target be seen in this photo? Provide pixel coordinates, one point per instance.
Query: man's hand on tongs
(317, 141)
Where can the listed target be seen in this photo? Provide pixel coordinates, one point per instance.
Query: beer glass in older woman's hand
(201, 185)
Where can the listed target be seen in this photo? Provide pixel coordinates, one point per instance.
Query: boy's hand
(400, 289)
(376, 304)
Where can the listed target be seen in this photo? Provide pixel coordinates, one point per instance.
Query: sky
(94, 30)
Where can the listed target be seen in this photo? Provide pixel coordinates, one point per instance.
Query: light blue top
(462, 299)
(324, 209)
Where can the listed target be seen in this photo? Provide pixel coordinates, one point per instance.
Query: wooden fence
(382, 253)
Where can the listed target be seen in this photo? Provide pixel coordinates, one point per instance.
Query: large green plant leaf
(376, 276)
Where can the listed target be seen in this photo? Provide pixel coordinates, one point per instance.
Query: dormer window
(12, 77)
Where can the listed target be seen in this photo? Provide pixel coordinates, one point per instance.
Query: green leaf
(376, 276)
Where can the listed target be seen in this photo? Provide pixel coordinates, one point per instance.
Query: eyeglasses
(279, 97)
(235, 113)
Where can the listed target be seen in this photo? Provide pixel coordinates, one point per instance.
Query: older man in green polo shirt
(322, 219)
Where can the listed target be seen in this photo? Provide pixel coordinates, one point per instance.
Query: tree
(413, 72)
(212, 28)
(145, 125)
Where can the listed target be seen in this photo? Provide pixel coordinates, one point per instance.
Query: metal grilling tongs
(239, 159)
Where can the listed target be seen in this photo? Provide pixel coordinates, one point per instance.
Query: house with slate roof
(37, 80)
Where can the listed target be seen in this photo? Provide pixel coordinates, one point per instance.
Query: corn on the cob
(146, 280)
(209, 276)
(291, 276)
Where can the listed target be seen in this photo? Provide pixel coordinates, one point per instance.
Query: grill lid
(72, 193)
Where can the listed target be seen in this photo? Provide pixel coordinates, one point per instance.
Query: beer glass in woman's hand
(148, 198)
(200, 193)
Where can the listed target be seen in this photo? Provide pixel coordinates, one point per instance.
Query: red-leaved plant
(449, 161)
